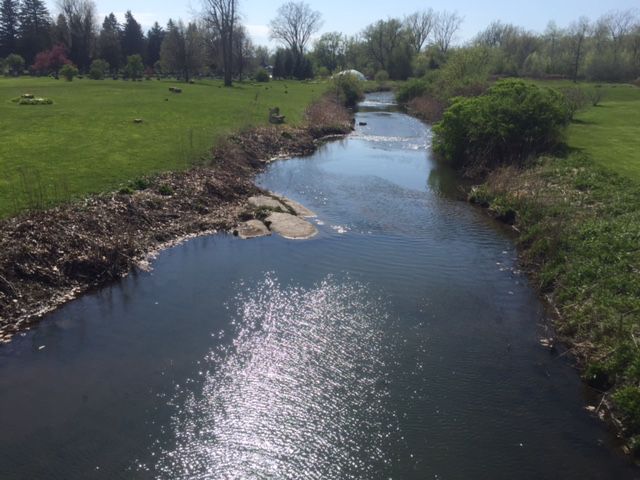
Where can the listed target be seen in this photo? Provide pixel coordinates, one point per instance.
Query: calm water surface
(401, 343)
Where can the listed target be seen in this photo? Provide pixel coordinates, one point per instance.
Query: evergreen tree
(60, 32)
(132, 37)
(182, 50)
(155, 36)
(9, 24)
(35, 28)
(109, 48)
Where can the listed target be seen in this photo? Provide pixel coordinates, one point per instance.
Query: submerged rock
(264, 201)
(290, 226)
(251, 229)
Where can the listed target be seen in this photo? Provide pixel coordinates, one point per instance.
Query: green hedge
(510, 123)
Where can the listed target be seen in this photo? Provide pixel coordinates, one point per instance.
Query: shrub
(98, 69)
(141, 184)
(165, 190)
(50, 61)
(323, 72)
(413, 88)
(427, 108)
(381, 76)
(134, 68)
(68, 71)
(511, 122)
(14, 64)
(262, 75)
(349, 89)
(575, 98)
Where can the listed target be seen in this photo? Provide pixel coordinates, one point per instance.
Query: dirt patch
(49, 257)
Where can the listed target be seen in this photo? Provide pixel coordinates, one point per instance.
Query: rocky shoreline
(50, 257)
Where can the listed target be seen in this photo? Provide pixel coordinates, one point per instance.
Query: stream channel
(402, 342)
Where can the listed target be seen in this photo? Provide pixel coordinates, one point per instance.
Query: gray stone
(263, 201)
(251, 229)
(300, 210)
(290, 226)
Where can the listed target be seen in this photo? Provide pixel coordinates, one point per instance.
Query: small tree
(14, 64)
(69, 71)
(50, 61)
(98, 69)
(135, 67)
(262, 75)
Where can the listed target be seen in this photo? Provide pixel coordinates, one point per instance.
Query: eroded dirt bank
(52, 256)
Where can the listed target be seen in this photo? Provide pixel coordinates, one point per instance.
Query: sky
(352, 16)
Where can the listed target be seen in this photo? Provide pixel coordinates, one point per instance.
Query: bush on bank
(508, 125)
(349, 90)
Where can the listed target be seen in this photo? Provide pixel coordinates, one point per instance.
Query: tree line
(216, 43)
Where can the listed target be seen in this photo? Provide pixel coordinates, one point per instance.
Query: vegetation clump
(30, 99)
(349, 90)
(510, 124)
(262, 76)
(68, 72)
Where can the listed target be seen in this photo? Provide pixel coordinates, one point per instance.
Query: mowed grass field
(610, 132)
(87, 141)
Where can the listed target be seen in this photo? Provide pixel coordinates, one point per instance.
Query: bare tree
(445, 27)
(80, 16)
(182, 49)
(578, 32)
(222, 15)
(419, 25)
(294, 26)
(619, 24)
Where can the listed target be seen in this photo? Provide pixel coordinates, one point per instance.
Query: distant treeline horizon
(33, 41)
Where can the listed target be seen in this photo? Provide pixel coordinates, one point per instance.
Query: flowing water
(400, 343)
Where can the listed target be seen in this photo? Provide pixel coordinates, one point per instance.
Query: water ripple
(300, 393)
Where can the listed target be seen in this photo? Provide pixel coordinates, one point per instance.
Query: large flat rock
(252, 229)
(264, 201)
(290, 226)
(300, 210)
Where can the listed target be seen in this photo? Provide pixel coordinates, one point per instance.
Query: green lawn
(610, 132)
(87, 142)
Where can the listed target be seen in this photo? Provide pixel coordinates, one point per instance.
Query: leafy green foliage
(165, 190)
(262, 76)
(14, 64)
(509, 124)
(411, 89)
(99, 68)
(348, 89)
(68, 72)
(134, 68)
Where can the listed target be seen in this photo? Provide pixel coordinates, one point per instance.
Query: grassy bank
(87, 141)
(579, 224)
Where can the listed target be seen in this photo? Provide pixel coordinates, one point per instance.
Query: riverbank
(579, 231)
(50, 257)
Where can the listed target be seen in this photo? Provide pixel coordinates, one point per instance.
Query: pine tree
(109, 48)
(35, 28)
(132, 37)
(9, 24)
(155, 36)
